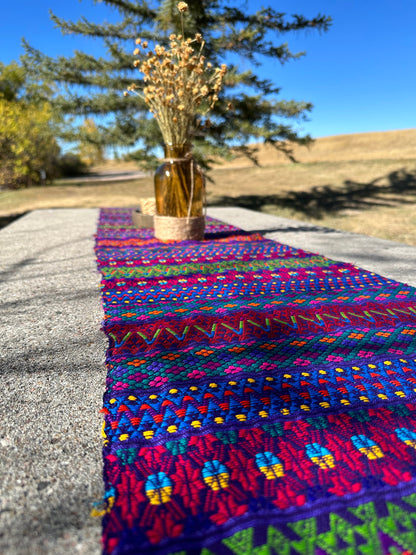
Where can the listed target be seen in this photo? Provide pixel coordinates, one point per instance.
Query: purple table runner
(260, 399)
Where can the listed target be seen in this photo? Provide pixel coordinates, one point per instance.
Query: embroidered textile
(260, 399)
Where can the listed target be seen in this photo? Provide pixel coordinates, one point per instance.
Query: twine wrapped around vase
(168, 228)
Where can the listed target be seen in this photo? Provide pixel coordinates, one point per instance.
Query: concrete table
(53, 373)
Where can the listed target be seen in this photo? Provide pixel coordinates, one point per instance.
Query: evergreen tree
(94, 87)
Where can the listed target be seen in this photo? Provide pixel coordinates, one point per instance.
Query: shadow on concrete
(6, 220)
(24, 305)
(59, 524)
(11, 273)
(297, 229)
(329, 199)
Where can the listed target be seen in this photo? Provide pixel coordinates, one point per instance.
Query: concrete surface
(52, 365)
(52, 381)
(390, 259)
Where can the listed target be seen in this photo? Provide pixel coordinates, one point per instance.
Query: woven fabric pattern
(260, 399)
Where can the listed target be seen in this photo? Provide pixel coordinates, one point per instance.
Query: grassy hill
(362, 182)
(392, 145)
(365, 183)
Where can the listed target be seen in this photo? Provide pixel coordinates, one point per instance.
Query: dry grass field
(364, 183)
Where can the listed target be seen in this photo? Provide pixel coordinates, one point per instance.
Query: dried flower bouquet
(179, 83)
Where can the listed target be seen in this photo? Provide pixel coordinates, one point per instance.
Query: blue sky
(360, 75)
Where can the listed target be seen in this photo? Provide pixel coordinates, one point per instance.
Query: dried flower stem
(178, 83)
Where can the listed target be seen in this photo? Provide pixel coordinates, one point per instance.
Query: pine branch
(267, 19)
(84, 27)
(99, 104)
(81, 69)
(139, 9)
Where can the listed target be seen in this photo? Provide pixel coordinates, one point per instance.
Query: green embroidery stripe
(361, 529)
(228, 265)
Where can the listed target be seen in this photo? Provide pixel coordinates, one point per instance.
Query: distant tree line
(29, 127)
(28, 148)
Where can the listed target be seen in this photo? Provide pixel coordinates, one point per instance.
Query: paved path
(105, 176)
(52, 366)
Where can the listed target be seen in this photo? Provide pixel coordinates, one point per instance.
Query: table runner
(260, 399)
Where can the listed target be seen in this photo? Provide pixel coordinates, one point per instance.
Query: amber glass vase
(179, 184)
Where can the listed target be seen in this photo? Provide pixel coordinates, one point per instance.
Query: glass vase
(179, 184)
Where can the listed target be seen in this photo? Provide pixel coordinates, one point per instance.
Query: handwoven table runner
(260, 399)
